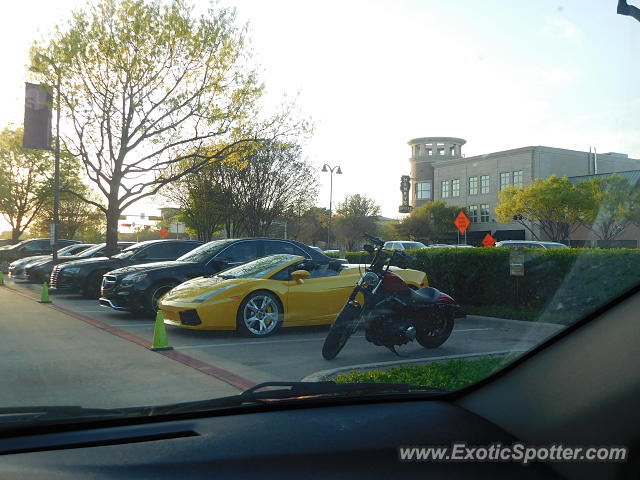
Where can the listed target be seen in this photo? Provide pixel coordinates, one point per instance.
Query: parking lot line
(265, 342)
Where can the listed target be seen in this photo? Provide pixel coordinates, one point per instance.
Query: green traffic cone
(1, 278)
(160, 341)
(44, 296)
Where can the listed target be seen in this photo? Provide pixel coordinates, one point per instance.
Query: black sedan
(29, 248)
(40, 271)
(17, 269)
(85, 276)
(138, 288)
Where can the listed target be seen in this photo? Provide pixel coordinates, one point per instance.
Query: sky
(373, 74)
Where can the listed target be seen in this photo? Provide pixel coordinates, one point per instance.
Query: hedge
(556, 282)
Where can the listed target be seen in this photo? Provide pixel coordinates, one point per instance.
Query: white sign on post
(177, 227)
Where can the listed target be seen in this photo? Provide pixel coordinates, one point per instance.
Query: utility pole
(327, 168)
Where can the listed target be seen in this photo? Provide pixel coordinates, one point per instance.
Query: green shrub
(576, 281)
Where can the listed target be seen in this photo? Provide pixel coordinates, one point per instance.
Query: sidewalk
(51, 358)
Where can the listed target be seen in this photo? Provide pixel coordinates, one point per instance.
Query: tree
(553, 206)
(272, 181)
(308, 226)
(24, 181)
(429, 223)
(204, 204)
(355, 216)
(76, 217)
(145, 85)
(614, 204)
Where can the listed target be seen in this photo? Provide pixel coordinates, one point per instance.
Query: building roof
(632, 175)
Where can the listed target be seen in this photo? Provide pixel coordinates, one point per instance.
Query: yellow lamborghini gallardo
(260, 296)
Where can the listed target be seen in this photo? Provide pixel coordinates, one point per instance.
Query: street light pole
(327, 168)
(56, 173)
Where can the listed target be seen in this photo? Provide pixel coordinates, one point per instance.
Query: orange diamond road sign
(488, 241)
(462, 222)
(164, 233)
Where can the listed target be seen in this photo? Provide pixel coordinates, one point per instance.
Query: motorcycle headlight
(134, 278)
(370, 279)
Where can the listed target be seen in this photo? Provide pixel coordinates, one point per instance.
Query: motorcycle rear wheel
(438, 333)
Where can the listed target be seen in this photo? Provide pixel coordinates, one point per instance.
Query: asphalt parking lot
(293, 353)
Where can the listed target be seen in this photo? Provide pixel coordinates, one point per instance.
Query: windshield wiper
(258, 395)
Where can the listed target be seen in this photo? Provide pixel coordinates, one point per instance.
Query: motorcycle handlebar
(377, 241)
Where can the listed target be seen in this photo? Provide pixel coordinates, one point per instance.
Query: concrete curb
(318, 376)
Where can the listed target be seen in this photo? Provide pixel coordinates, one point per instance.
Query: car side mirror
(299, 275)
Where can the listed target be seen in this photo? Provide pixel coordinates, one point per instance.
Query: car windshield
(91, 251)
(204, 252)
(413, 245)
(129, 251)
(259, 268)
(439, 128)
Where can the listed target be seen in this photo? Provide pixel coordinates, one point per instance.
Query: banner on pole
(37, 116)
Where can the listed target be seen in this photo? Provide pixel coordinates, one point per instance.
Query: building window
(423, 190)
(518, 178)
(440, 151)
(452, 151)
(473, 185)
(484, 184)
(455, 188)
(504, 180)
(484, 213)
(473, 213)
(416, 150)
(429, 151)
(444, 188)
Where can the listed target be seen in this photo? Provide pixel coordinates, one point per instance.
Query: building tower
(426, 151)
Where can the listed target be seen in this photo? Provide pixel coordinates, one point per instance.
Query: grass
(450, 375)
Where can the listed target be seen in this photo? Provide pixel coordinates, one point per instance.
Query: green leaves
(429, 222)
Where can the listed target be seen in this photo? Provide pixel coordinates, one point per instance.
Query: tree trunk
(15, 235)
(113, 216)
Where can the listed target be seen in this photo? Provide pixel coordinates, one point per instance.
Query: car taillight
(393, 283)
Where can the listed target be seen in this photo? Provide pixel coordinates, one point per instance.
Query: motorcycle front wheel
(340, 331)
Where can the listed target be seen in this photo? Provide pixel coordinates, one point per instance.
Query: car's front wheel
(259, 315)
(153, 296)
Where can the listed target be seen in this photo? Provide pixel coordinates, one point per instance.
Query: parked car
(257, 292)
(85, 276)
(138, 288)
(448, 245)
(40, 271)
(18, 268)
(530, 244)
(29, 248)
(403, 245)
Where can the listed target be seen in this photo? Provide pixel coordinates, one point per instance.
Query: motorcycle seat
(429, 294)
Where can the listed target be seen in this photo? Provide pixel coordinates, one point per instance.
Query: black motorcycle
(393, 313)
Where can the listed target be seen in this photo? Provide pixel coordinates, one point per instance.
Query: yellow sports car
(258, 297)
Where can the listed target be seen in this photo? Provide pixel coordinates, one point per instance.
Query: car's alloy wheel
(157, 291)
(259, 315)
